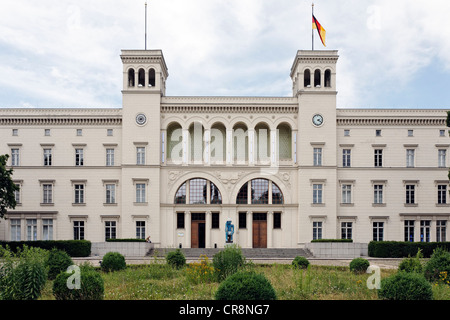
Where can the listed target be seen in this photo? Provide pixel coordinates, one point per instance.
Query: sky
(64, 53)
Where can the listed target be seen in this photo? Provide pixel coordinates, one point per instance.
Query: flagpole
(145, 25)
(312, 33)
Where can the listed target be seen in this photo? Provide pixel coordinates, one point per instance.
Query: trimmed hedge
(74, 248)
(125, 240)
(332, 240)
(400, 249)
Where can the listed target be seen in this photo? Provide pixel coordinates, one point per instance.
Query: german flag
(320, 29)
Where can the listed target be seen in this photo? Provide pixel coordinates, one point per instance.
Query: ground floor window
(317, 230)
(110, 230)
(15, 230)
(409, 230)
(78, 230)
(425, 230)
(31, 229)
(346, 230)
(47, 229)
(180, 220)
(242, 220)
(140, 229)
(441, 230)
(378, 231)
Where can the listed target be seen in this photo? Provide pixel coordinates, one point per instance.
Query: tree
(7, 187)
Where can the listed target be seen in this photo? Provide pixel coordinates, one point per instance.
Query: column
(207, 154)
(269, 229)
(273, 148)
(229, 147)
(208, 229)
(251, 147)
(187, 228)
(249, 229)
(185, 146)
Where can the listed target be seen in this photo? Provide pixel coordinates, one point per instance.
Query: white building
(285, 170)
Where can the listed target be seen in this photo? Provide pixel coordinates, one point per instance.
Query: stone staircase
(249, 253)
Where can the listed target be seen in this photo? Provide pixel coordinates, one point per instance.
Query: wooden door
(198, 230)
(259, 230)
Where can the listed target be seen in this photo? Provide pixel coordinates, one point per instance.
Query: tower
(144, 84)
(314, 84)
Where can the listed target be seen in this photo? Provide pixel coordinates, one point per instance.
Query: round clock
(317, 120)
(141, 119)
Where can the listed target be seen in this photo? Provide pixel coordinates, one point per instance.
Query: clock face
(317, 120)
(141, 119)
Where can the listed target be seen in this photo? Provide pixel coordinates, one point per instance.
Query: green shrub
(300, 262)
(91, 285)
(405, 286)
(438, 263)
(228, 261)
(22, 274)
(74, 248)
(401, 249)
(359, 265)
(113, 261)
(412, 264)
(176, 259)
(245, 286)
(57, 261)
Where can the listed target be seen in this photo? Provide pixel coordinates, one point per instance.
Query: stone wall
(127, 249)
(338, 250)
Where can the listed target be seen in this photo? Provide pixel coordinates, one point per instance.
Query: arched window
(131, 78)
(284, 133)
(317, 79)
(307, 78)
(328, 78)
(141, 78)
(257, 191)
(151, 78)
(174, 142)
(197, 189)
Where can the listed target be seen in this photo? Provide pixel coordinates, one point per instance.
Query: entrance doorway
(198, 230)
(259, 230)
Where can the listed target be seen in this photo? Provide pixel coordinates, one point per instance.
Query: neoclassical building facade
(283, 170)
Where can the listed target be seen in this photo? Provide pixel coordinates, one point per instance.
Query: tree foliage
(7, 187)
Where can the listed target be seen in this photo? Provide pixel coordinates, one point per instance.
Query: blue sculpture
(229, 231)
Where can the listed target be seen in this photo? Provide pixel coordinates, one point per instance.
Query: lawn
(159, 281)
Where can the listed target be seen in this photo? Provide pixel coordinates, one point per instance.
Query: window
(110, 230)
(15, 157)
(47, 229)
(15, 230)
(317, 79)
(140, 192)
(109, 157)
(109, 132)
(378, 133)
(180, 196)
(307, 79)
(180, 220)
(442, 194)
(442, 158)
(47, 132)
(242, 220)
(17, 196)
(346, 193)
(346, 230)
(131, 78)
(151, 77)
(47, 157)
(277, 196)
(317, 156)
(141, 78)
(215, 221)
(216, 197)
(378, 231)
(317, 230)
(346, 157)
(259, 191)
(277, 220)
(197, 191)
(410, 133)
(31, 229)
(378, 155)
(409, 230)
(79, 132)
(140, 155)
(47, 193)
(78, 230)
(79, 158)
(242, 197)
(79, 193)
(317, 193)
(15, 132)
(328, 78)
(425, 230)
(140, 229)
(441, 230)
(346, 133)
(410, 158)
(378, 194)
(442, 133)
(110, 193)
(410, 194)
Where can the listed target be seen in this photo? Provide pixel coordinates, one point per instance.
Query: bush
(400, 249)
(113, 261)
(22, 275)
(412, 264)
(176, 259)
(359, 265)
(300, 262)
(439, 262)
(228, 261)
(245, 286)
(57, 262)
(200, 272)
(91, 285)
(405, 286)
(74, 248)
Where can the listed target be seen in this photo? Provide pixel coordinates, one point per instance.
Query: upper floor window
(317, 156)
(140, 155)
(15, 157)
(328, 78)
(47, 157)
(307, 78)
(131, 77)
(15, 132)
(317, 79)
(442, 158)
(79, 157)
(378, 155)
(141, 78)
(410, 158)
(109, 157)
(346, 157)
(151, 78)
(200, 191)
(260, 191)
